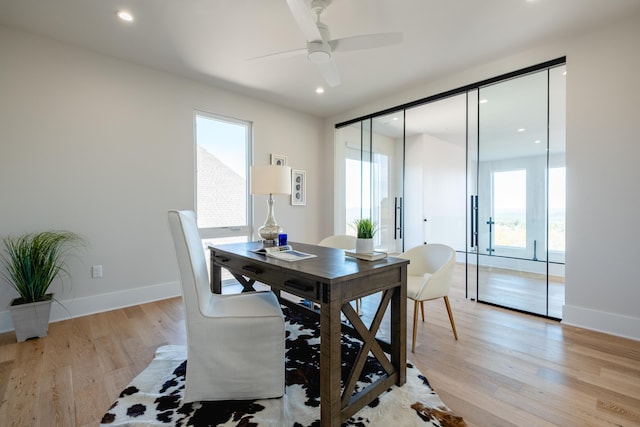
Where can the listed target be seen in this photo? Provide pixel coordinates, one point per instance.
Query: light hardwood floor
(507, 369)
(520, 290)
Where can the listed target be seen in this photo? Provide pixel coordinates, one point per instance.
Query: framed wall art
(298, 187)
(278, 160)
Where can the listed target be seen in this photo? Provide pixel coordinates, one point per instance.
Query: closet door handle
(477, 228)
(395, 218)
(474, 220)
(400, 209)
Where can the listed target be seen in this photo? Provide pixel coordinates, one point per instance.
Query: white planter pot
(31, 320)
(364, 246)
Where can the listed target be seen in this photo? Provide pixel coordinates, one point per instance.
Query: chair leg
(453, 325)
(422, 309)
(415, 325)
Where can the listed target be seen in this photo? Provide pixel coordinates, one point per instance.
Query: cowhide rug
(154, 396)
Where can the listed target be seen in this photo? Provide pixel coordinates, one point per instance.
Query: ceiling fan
(320, 47)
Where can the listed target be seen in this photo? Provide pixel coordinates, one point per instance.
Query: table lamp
(270, 179)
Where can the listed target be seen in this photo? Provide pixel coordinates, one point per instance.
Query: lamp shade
(270, 179)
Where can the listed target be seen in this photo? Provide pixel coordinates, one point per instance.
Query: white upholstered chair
(429, 277)
(235, 342)
(339, 241)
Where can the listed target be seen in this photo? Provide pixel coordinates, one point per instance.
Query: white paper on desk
(285, 253)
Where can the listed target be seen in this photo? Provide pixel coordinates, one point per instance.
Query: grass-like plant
(33, 261)
(365, 228)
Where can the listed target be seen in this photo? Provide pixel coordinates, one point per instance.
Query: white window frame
(230, 232)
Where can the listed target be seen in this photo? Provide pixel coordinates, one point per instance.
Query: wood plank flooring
(507, 369)
(520, 290)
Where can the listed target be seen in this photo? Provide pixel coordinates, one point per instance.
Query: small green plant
(33, 261)
(365, 228)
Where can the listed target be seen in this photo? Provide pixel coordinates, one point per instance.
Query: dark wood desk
(332, 280)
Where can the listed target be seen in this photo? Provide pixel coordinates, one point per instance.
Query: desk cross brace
(247, 283)
(369, 343)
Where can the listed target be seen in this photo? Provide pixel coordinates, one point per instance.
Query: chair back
(339, 241)
(192, 264)
(435, 259)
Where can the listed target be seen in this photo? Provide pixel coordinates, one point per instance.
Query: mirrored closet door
(519, 193)
(481, 169)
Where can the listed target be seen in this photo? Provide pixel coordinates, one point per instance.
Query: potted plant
(32, 262)
(365, 230)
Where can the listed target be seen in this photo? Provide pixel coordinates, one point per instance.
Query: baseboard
(84, 306)
(602, 321)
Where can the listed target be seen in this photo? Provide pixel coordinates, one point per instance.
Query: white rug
(154, 396)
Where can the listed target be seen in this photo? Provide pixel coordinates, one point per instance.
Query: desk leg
(399, 328)
(216, 274)
(330, 359)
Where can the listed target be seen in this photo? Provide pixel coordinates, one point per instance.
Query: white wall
(445, 180)
(603, 203)
(603, 200)
(104, 148)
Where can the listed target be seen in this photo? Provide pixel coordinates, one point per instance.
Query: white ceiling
(211, 40)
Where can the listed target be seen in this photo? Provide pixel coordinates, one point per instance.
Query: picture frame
(278, 160)
(298, 187)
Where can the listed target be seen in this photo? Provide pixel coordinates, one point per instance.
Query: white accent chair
(342, 241)
(236, 343)
(339, 241)
(429, 277)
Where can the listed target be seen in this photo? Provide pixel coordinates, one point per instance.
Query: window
(510, 208)
(557, 208)
(222, 163)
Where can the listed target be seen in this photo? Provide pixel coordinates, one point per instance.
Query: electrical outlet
(96, 271)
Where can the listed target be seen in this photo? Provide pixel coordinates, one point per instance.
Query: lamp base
(270, 232)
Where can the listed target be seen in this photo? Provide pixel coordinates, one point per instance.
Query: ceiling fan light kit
(318, 52)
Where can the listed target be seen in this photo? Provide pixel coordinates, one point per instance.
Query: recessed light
(124, 15)
(319, 90)
(537, 141)
(395, 119)
(521, 130)
(484, 101)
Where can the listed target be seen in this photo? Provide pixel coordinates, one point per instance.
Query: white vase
(364, 246)
(31, 320)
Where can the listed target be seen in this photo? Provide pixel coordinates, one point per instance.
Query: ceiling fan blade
(330, 72)
(282, 55)
(367, 41)
(302, 14)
